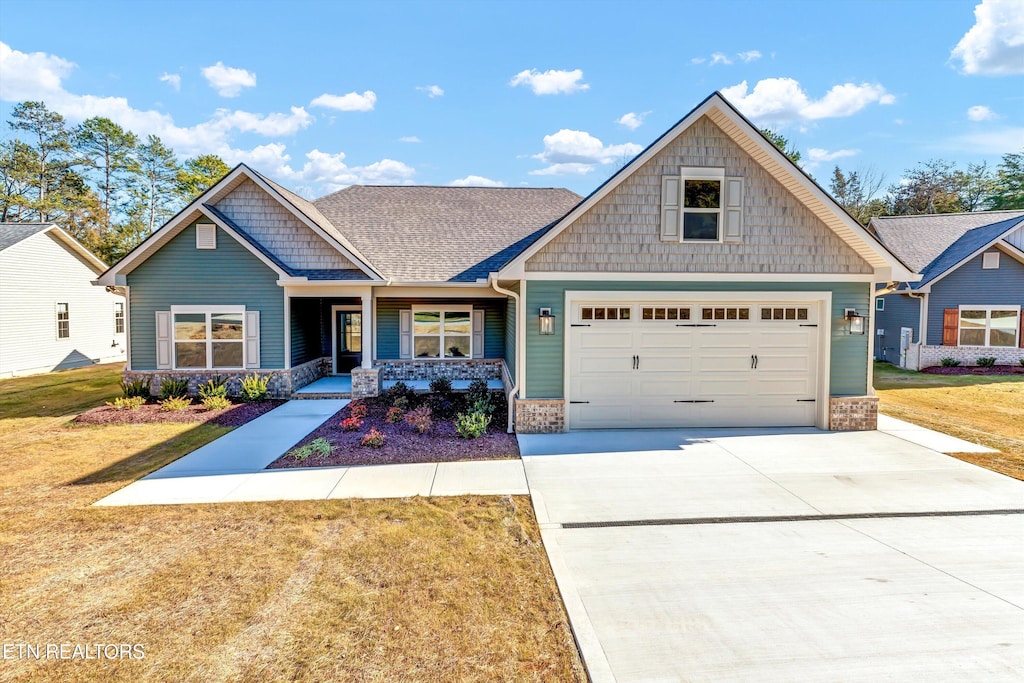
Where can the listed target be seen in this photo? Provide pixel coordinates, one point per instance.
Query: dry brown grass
(985, 409)
(418, 589)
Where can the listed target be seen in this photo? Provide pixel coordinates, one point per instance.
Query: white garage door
(689, 364)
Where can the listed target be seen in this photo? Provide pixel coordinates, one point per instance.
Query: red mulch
(975, 370)
(235, 416)
(403, 444)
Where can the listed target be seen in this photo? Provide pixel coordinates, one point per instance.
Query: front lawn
(369, 590)
(985, 409)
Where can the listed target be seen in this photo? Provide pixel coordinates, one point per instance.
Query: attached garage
(690, 361)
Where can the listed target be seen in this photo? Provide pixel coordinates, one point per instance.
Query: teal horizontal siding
(848, 373)
(972, 285)
(305, 326)
(510, 332)
(179, 275)
(388, 323)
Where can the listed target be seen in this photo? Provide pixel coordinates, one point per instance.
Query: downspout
(519, 356)
(922, 317)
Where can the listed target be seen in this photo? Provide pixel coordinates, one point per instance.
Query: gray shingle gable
(12, 233)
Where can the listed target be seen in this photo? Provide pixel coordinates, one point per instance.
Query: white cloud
(227, 80)
(719, 58)
(632, 120)
(980, 112)
(746, 57)
(173, 79)
(30, 76)
(321, 170)
(999, 141)
(431, 90)
(353, 101)
(409, 138)
(749, 56)
(551, 82)
(783, 100)
(576, 152)
(698, 60)
(270, 125)
(817, 156)
(476, 181)
(994, 46)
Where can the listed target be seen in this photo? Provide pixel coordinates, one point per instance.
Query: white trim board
(591, 276)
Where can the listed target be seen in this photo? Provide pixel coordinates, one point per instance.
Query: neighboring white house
(51, 316)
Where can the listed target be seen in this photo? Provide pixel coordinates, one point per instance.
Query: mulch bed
(235, 416)
(403, 444)
(975, 370)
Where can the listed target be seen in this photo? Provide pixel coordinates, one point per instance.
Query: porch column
(367, 332)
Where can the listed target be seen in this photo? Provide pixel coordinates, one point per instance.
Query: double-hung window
(701, 205)
(63, 321)
(118, 317)
(442, 332)
(208, 338)
(989, 325)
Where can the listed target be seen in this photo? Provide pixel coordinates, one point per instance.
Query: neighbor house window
(118, 317)
(63, 321)
(988, 326)
(879, 304)
(442, 332)
(208, 339)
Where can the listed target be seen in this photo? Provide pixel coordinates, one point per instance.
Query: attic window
(206, 236)
(701, 205)
(990, 260)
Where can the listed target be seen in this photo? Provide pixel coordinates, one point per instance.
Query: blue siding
(306, 330)
(510, 332)
(544, 360)
(179, 274)
(971, 285)
(900, 311)
(388, 321)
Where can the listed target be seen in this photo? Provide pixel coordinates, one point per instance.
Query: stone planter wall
(930, 356)
(281, 385)
(539, 416)
(853, 413)
(430, 369)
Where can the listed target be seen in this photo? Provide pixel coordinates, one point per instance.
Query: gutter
(519, 345)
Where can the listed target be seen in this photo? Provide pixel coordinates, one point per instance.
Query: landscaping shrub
(478, 391)
(175, 403)
(254, 387)
(137, 387)
(173, 388)
(402, 403)
(949, 363)
(986, 361)
(374, 439)
(127, 403)
(357, 409)
(442, 406)
(420, 418)
(401, 395)
(216, 402)
(320, 447)
(394, 415)
(216, 386)
(473, 424)
(441, 385)
(1022, 362)
(351, 424)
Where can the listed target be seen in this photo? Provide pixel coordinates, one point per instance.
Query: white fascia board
(1010, 250)
(975, 254)
(702, 277)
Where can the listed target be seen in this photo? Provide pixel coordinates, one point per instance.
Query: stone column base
(365, 383)
(540, 416)
(853, 413)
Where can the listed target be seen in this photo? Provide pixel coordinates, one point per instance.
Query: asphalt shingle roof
(12, 233)
(449, 234)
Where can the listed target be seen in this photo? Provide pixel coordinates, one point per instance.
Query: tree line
(935, 186)
(105, 185)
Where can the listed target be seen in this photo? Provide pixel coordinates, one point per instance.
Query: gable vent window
(990, 260)
(701, 205)
(206, 236)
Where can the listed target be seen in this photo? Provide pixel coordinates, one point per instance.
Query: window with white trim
(879, 304)
(118, 317)
(442, 332)
(989, 325)
(210, 338)
(63, 321)
(701, 205)
(990, 260)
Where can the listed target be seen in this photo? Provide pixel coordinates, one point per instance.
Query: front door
(348, 341)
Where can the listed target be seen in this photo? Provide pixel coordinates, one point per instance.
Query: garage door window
(787, 313)
(665, 313)
(604, 313)
(725, 313)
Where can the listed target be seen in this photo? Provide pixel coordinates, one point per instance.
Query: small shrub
(442, 406)
(441, 385)
(351, 424)
(402, 403)
(394, 415)
(173, 388)
(374, 439)
(420, 419)
(254, 387)
(473, 424)
(216, 386)
(137, 387)
(478, 391)
(175, 404)
(986, 361)
(1022, 362)
(357, 409)
(319, 447)
(216, 402)
(949, 363)
(127, 403)
(400, 394)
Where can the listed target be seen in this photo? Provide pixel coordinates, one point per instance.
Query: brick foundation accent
(967, 355)
(429, 369)
(365, 383)
(539, 416)
(853, 413)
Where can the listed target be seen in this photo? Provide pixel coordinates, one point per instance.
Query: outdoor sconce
(855, 320)
(547, 321)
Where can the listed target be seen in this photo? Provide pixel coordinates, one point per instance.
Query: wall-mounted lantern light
(855, 321)
(547, 321)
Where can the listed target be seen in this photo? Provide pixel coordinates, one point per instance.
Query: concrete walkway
(943, 443)
(233, 469)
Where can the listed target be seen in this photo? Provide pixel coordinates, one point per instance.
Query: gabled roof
(767, 155)
(13, 233)
(422, 233)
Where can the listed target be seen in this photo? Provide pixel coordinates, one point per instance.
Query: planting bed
(234, 416)
(975, 370)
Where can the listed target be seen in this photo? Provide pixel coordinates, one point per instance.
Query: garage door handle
(753, 362)
(808, 326)
(807, 400)
(636, 362)
(578, 325)
(695, 401)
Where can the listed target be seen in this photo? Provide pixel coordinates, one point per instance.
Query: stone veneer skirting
(539, 416)
(281, 385)
(431, 369)
(365, 382)
(929, 356)
(853, 413)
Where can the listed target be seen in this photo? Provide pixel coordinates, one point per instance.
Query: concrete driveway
(781, 555)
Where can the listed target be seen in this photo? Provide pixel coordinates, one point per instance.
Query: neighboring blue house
(968, 302)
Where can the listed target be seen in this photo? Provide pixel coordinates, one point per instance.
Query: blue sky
(320, 95)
